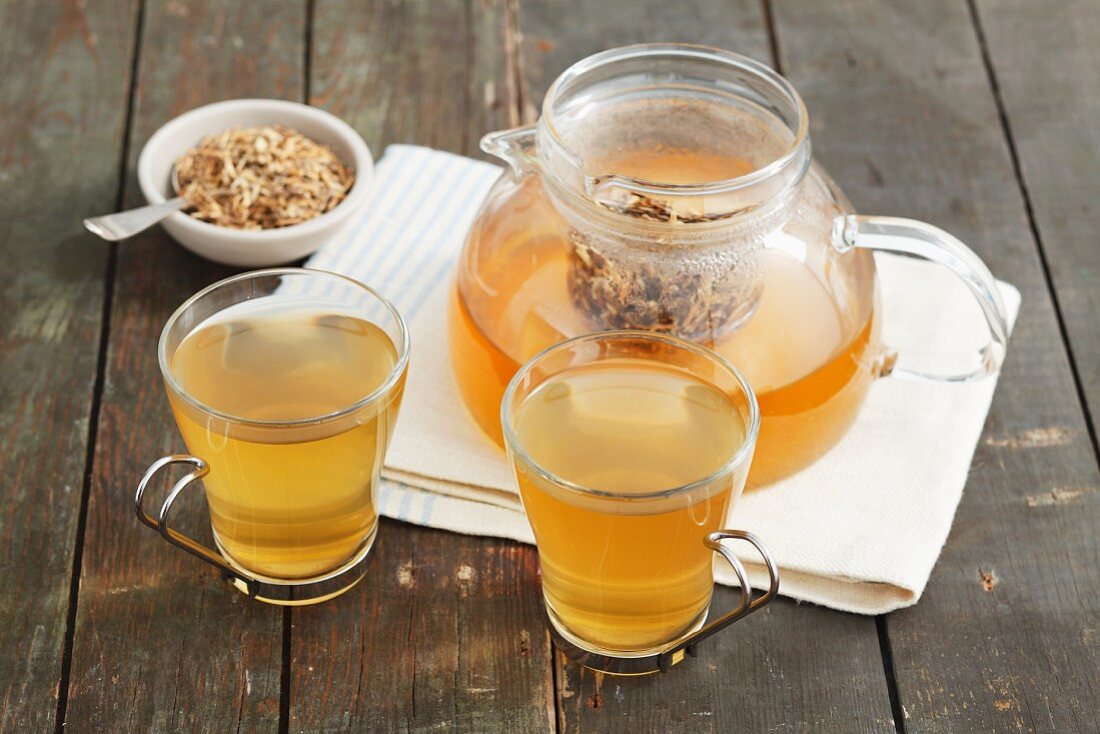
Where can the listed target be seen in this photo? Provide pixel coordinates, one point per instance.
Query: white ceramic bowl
(242, 247)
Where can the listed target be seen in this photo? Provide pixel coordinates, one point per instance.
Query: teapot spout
(515, 146)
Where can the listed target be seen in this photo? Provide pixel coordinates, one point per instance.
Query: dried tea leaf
(261, 178)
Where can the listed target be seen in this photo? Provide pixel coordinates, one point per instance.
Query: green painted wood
(1046, 58)
(63, 92)
(445, 632)
(162, 644)
(903, 115)
(792, 667)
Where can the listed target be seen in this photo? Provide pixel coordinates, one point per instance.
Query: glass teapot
(671, 188)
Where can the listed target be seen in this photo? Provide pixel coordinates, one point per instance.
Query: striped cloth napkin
(859, 531)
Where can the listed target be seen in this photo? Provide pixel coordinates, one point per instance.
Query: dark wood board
(446, 631)
(162, 644)
(426, 73)
(555, 34)
(792, 667)
(903, 116)
(64, 83)
(1046, 61)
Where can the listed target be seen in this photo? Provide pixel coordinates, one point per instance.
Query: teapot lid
(741, 127)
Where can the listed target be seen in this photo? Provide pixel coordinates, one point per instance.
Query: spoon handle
(128, 223)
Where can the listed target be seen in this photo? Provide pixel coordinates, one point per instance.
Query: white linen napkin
(859, 530)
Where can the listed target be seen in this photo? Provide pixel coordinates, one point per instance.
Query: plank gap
(97, 391)
(773, 34)
(559, 723)
(1032, 223)
(85, 491)
(284, 680)
(288, 612)
(307, 53)
(470, 59)
(891, 674)
(516, 80)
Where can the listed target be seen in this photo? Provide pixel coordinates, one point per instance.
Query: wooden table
(983, 117)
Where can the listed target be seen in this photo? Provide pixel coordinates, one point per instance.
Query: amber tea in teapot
(670, 188)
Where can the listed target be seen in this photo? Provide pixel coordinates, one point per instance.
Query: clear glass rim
(739, 457)
(386, 386)
(688, 51)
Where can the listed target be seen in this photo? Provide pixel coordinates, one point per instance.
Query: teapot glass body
(671, 188)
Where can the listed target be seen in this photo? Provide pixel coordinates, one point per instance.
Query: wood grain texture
(554, 34)
(425, 72)
(1046, 58)
(1005, 638)
(161, 643)
(446, 631)
(792, 667)
(64, 82)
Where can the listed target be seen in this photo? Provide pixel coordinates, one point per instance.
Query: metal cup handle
(176, 538)
(748, 604)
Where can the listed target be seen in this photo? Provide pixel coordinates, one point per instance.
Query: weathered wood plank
(904, 117)
(63, 92)
(1046, 57)
(161, 643)
(413, 71)
(791, 667)
(554, 34)
(446, 630)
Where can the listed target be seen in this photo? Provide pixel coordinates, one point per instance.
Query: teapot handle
(910, 237)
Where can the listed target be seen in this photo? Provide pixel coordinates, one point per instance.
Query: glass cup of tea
(285, 385)
(629, 449)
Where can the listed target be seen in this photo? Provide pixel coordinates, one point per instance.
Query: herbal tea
(290, 496)
(809, 368)
(627, 574)
(679, 199)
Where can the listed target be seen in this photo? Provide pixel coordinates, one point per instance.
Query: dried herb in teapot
(654, 210)
(621, 286)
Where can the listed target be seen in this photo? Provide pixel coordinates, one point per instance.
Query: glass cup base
(302, 592)
(635, 662)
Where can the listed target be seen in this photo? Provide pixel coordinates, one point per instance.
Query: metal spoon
(125, 224)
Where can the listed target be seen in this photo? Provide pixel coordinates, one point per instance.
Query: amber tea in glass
(286, 386)
(628, 449)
